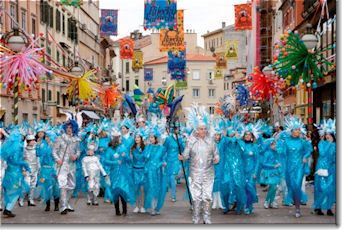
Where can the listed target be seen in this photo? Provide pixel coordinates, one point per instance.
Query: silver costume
(201, 153)
(92, 168)
(30, 156)
(2, 174)
(64, 148)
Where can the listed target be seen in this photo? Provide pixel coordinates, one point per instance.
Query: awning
(91, 115)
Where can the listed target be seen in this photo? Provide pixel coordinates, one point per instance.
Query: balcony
(310, 7)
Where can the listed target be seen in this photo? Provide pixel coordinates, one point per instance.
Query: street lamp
(310, 41)
(77, 70)
(16, 41)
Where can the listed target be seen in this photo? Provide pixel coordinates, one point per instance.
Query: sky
(200, 15)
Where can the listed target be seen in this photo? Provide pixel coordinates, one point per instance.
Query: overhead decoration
(138, 95)
(24, 67)
(75, 3)
(181, 84)
(171, 39)
(225, 105)
(109, 22)
(295, 63)
(83, 88)
(175, 108)
(220, 61)
(130, 104)
(218, 74)
(148, 74)
(160, 14)
(231, 50)
(243, 19)
(263, 87)
(242, 95)
(110, 96)
(137, 60)
(126, 48)
(177, 64)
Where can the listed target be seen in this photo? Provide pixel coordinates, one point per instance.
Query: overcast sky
(200, 15)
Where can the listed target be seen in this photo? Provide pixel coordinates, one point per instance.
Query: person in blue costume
(126, 127)
(104, 140)
(122, 186)
(325, 175)
(173, 163)
(250, 153)
(155, 175)
(138, 168)
(13, 182)
(3, 137)
(270, 171)
(218, 169)
(297, 151)
(47, 180)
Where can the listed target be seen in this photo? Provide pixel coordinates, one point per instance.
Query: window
(211, 110)
(58, 56)
(33, 28)
(196, 75)
(196, 92)
(211, 93)
(127, 67)
(58, 20)
(1, 15)
(58, 98)
(23, 19)
(64, 100)
(72, 30)
(64, 60)
(217, 42)
(34, 116)
(136, 82)
(25, 117)
(63, 24)
(226, 86)
(127, 85)
(43, 95)
(51, 16)
(13, 14)
(49, 96)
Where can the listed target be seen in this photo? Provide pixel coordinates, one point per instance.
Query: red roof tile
(189, 58)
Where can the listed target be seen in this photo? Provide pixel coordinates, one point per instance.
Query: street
(172, 212)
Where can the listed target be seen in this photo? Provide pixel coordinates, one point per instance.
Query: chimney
(223, 24)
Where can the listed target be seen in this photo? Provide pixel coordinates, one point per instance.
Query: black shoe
(118, 214)
(330, 213)
(64, 212)
(95, 203)
(1, 210)
(89, 203)
(57, 201)
(225, 211)
(30, 204)
(8, 213)
(47, 208)
(70, 210)
(319, 212)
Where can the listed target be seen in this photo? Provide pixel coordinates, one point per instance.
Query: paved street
(177, 212)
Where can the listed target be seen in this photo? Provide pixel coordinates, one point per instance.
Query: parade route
(172, 213)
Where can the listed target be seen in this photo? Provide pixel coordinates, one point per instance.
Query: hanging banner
(220, 61)
(148, 74)
(75, 3)
(243, 19)
(181, 85)
(109, 22)
(218, 74)
(173, 39)
(159, 14)
(137, 60)
(231, 50)
(177, 64)
(126, 48)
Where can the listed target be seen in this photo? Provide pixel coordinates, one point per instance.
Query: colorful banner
(126, 48)
(177, 64)
(231, 50)
(218, 74)
(108, 22)
(75, 3)
(159, 14)
(148, 74)
(173, 39)
(181, 84)
(243, 19)
(137, 61)
(220, 61)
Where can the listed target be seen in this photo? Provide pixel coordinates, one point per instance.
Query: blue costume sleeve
(307, 148)
(108, 158)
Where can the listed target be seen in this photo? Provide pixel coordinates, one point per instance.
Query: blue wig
(74, 126)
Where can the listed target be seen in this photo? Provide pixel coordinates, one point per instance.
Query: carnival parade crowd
(137, 162)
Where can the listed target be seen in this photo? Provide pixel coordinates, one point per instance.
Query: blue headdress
(218, 125)
(127, 122)
(104, 125)
(144, 133)
(157, 127)
(74, 126)
(254, 129)
(198, 116)
(51, 134)
(327, 127)
(292, 122)
(41, 126)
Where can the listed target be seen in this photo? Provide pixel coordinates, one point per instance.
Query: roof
(189, 58)
(212, 32)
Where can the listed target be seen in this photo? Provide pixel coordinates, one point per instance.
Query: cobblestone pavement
(172, 212)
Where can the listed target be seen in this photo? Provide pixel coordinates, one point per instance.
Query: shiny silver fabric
(201, 153)
(92, 168)
(65, 147)
(30, 156)
(2, 174)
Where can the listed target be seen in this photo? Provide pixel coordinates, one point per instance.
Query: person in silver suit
(202, 153)
(66, 151)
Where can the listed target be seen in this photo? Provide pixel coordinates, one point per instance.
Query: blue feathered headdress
(253, 128)
(74, 126)
(292, 122)
(327, 127)
(198, 116)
